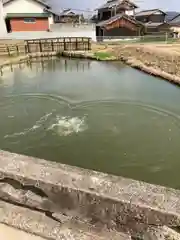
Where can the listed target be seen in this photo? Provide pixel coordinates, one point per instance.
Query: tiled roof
(70, 12)
(27, 15)
(116, 17)
(154, 24)
(148, 12)
(114, 3)
(175, 21)
(171, 15)
(111, 20)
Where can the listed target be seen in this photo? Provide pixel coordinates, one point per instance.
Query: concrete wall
(3, 30)
(23, 6)
(96, 198)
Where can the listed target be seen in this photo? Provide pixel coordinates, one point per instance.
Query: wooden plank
(50, 44)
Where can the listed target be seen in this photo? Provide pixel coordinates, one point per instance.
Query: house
(69, 16)
(119, 25)
(175, 25)
(153, 20)
(152, 15)
(170, 15)
(114, 7)
(156, 28)
(116, 19)
(26, 15)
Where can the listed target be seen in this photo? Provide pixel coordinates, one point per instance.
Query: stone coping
(98, 197)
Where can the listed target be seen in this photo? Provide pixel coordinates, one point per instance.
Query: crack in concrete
(18, 185)
(46, 213)
(20, 188)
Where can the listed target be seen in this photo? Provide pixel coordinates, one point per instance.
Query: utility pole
(3, 30)
(115, 10)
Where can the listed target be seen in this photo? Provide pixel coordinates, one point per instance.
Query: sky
(168, 5)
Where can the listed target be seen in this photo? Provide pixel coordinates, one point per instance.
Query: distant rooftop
(171, 15)
(175, 21)
(114, 3)
(148, 12)
(153, 24)
(116, 17)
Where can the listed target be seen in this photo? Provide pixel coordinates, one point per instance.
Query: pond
(97, 115)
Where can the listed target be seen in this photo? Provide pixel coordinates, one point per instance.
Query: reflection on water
(103, 116)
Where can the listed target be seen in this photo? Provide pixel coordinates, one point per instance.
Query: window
(29, 20)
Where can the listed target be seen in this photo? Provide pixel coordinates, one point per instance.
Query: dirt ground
(10, 41)
(163, 48)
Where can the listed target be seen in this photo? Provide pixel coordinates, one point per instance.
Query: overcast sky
(168, 5)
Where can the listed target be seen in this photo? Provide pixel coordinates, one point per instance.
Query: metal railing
(149, 38)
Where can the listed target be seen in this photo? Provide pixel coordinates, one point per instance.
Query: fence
(153, 37)
(12, 49)
(46, 45)
(58, 44)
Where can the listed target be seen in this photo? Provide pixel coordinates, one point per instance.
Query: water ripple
(144, 106)
(37, 125)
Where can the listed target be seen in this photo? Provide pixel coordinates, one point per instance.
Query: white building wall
(25, 6)
(51, 20)
(3, 30)
(129, 12)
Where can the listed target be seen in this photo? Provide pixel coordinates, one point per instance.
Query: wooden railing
(12, 49)
(58, 44)
(46, 45)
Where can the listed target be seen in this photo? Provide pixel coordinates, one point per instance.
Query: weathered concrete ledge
(74, 54)
(21, 59)
(39, 224)
(130, 60)
(87, 55)
(157, 72)
(94, 198)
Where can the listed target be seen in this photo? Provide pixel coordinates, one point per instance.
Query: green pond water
(103, 116)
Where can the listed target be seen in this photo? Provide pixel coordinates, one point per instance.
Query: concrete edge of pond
(24, 58)
(157, 72)
(38, 224)
(97, 198)
(131, 61)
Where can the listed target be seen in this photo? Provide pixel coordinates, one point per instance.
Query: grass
(103, 55)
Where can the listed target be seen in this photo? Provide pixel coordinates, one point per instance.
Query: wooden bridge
(46, 45)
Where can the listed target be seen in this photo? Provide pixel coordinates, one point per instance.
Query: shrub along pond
(99, 115)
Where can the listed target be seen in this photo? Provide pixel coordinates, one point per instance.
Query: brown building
(119, 25)
(153, 15)
(116, 18)
(156, 28)
(154, 21)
